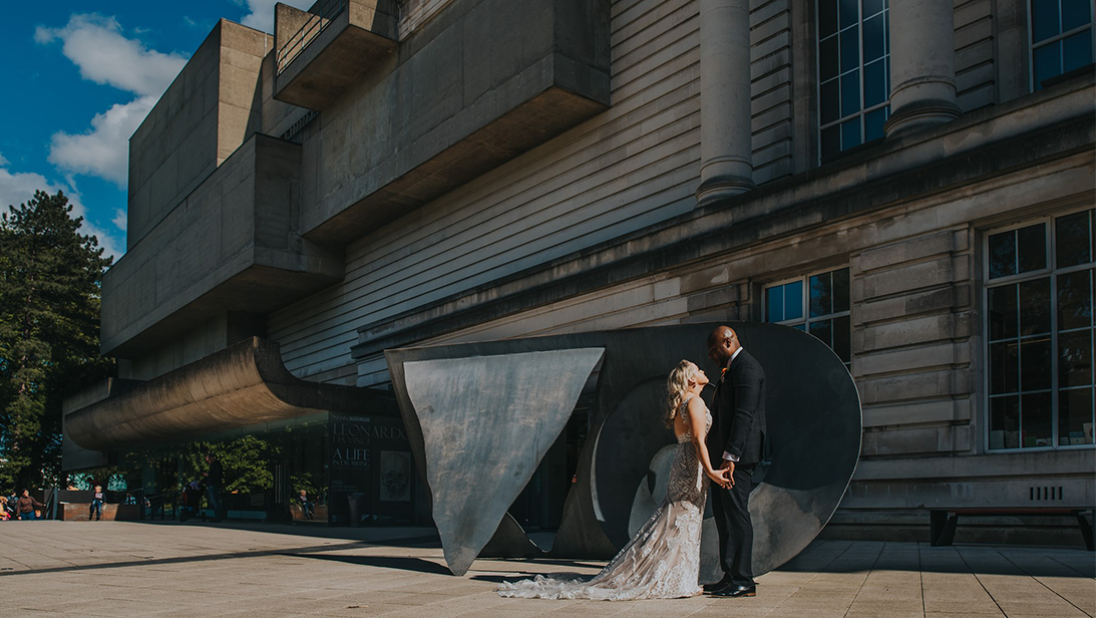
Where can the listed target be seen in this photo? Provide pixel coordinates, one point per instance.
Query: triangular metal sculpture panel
(487, 422)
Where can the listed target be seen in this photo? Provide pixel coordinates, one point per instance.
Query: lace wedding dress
(662, 561)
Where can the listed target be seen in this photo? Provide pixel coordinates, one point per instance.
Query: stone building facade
(910, 181)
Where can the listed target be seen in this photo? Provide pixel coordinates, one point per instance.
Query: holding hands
(722, 477)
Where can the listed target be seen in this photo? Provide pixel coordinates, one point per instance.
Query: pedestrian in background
(97, 504)
(214, 481)
(26, 506)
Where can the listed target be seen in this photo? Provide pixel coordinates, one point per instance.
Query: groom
(736, 438)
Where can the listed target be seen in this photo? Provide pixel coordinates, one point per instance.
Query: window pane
(1071, 243)
(1077, 51)
(1032, 248)
(841, 290)
(1074, 300)
(871, 7)
(774, 303)
(831, 141)
(827, 17)
(1002, 255)
(842, 338)
(873, 38)
(1003, 368)
(821, 295)
(875, 83)
(1003, 313)
(850, 95)
(1035, 364)
(873, 124)
(831, 101)
(824, 331)
(793, 300)
(802, 327)
(1075, 359)
(1004, 422)
(1047, 63)
(850, 133)
(1075, 13)
(1044, 19)
(1035, 307)
(850, 49)
(850, 12)
(827, 58)
(1075, 417)
(1036, 414)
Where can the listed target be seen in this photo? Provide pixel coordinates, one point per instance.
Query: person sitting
(97, 500)
(26, 506)
(306, 505)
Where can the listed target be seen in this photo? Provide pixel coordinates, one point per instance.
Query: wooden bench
(942, 527)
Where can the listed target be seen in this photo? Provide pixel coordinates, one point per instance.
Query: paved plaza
(167, 569)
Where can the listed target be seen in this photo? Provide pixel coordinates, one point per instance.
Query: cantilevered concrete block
(486, 423)
(231, 245)
(475, 86)
(323, 51)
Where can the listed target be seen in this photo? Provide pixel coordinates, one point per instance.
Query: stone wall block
(940, 411)
(913, 386)
(911, 359)
(926, 440)
(947, 241)
(713, 298)
(916, 276)
(912, 332)
(929, 301)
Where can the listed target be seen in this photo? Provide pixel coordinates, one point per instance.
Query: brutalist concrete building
(912, 182)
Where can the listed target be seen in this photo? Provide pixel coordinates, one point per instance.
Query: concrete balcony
(230, 246)
(322, 51)
(477, 85)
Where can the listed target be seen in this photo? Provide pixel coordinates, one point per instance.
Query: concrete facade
(427, 214)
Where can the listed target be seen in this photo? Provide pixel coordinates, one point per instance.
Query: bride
(662, 561)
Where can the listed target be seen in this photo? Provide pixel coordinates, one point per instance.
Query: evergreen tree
(50, 278)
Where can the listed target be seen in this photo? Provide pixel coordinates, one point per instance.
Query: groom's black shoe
(719, 585)
(734, 591)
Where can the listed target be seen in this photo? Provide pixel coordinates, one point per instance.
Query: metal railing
(320, 16)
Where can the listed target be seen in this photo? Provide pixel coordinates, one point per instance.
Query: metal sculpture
(814, 434)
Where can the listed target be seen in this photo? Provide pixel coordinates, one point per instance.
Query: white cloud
(103, 150)
(261, 12)
(3, 161)
(120, 220)
(18, 188)
(104, 55)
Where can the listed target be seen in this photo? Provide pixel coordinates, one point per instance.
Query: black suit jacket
(738, 412)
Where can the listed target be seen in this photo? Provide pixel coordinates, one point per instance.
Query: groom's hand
(728, 468)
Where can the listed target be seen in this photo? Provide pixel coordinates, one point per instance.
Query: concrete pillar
(922, 57)
(726, 164)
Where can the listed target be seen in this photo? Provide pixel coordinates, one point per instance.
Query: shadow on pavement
(401, 563)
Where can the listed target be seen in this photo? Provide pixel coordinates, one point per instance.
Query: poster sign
(371, 470)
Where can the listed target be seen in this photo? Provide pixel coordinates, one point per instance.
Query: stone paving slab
(168, 569)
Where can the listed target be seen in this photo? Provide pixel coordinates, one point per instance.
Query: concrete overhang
(231, 245)
(476, 86)
(243, 385)
(324, 50)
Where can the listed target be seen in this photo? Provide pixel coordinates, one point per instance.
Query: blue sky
(80, 78)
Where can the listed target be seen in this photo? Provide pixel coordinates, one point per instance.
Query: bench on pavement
(942, 522)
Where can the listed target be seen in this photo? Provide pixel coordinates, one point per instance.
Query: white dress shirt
(727, 456)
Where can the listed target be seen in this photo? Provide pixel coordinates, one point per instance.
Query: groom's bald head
(722, 344)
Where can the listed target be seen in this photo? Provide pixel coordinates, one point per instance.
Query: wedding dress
(662, 561)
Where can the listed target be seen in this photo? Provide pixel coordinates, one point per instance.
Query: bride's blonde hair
(678, 386)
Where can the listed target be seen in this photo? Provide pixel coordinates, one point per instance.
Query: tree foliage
(50, 279)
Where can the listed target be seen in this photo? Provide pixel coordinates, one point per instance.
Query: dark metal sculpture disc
(814, 429)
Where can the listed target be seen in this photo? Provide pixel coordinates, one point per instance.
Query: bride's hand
(718, 478)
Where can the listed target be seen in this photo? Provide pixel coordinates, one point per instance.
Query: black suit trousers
(732, 519)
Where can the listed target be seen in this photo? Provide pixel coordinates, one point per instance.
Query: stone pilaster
(726, 167)
(922, 57)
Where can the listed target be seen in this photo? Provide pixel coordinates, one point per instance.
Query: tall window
(853, 72)
(1039, 328)
(1061, 38)
(818, 304)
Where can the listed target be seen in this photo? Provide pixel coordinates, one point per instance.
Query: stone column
(922, 60)
(726, 162)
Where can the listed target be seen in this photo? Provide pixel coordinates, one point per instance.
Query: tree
(50, 281)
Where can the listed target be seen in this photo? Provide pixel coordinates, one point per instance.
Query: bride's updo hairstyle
(677, 386)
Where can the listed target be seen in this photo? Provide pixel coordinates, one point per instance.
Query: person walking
(97, 504)
(26, 506)
(214, 481)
